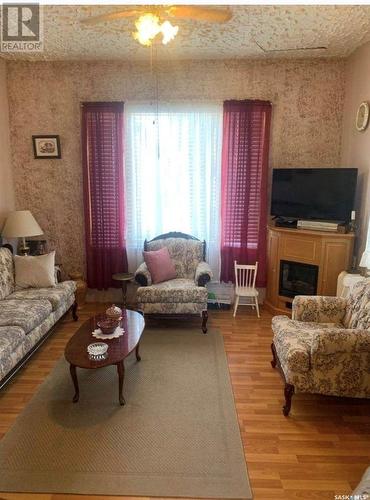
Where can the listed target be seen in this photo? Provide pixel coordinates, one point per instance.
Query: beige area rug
(177, 436)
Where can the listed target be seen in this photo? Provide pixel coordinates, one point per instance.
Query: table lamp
(21, 224)
(365, 262)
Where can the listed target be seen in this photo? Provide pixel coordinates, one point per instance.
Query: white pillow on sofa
(34, 271)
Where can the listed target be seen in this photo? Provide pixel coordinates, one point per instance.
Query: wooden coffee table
(119, 348)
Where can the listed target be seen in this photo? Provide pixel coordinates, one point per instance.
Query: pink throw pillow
(160, 265)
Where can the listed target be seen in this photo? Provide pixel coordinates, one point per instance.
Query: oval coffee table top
(119, 348)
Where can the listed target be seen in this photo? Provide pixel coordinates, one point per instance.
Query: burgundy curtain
(245, 147)
(102, 155)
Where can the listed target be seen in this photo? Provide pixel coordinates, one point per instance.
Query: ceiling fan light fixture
(168, 31)
(148, 27)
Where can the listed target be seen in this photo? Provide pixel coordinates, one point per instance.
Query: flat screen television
(313, 193)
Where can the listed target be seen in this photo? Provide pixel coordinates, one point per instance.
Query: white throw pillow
(34, 271)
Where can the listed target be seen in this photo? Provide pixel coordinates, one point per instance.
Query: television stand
(290, 223)
(301, 261)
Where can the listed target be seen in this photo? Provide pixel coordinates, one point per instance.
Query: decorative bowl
(114, 312)
(107, 325)
(97, 349)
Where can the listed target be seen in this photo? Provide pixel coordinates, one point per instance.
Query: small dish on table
(97, 351)
(108, 325)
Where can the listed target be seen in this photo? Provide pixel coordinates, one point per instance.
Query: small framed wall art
(46, 146)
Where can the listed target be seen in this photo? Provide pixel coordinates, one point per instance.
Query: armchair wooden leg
(204, 321)
(288, 393)
(74, 311)
(274, 359)
(288, 388)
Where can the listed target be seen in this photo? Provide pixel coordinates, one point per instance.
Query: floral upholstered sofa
(325, 348)
(187, 293)
(27, 315)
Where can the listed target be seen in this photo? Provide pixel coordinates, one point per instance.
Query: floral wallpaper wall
(6, 181)
(44, 98)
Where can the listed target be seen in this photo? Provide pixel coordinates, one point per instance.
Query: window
(173, 174)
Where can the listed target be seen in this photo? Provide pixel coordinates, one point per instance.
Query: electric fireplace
(297, 278)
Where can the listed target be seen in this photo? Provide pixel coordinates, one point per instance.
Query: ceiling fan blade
(199, 13)
(113, 16)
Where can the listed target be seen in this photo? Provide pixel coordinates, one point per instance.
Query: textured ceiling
(339, 28)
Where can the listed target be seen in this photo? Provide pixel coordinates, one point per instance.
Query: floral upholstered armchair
(325, 348)
(183, 295)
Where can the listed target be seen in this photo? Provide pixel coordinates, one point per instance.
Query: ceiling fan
(154, 20)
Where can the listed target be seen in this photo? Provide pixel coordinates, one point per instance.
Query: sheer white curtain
(173, 174)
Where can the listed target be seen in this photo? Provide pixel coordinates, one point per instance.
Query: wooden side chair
(245, 285)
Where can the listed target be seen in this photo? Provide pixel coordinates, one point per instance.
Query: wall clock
(362, 117)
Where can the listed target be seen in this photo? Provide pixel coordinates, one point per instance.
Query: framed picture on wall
(46, 146)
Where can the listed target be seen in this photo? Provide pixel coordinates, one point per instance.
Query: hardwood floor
(321, 450)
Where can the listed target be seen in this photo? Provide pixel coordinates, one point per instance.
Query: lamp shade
(365, 260)
(21, 223)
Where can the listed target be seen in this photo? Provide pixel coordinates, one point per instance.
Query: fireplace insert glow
(297, 278)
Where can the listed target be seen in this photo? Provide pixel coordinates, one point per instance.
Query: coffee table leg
(138, 357)
(121, 375)
(72, 370)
